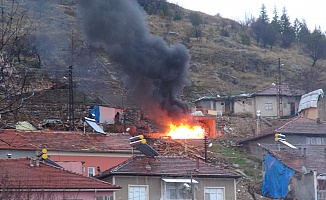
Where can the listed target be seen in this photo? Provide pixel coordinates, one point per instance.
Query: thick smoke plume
(156, 71)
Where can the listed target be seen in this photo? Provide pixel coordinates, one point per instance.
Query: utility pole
(71, 102)
(205, 147)
(279, 91)
(191, 186)
(71, 92)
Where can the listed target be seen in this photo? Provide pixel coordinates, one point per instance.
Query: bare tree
(15, 30)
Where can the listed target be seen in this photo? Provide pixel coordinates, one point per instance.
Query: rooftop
(63, 140)
(18, 174)
(167, 166)
(285, 90)
(314, 157)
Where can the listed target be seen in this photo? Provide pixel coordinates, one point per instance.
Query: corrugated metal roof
(310, 100)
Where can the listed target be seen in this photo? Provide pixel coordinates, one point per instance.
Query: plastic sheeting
(277, 178)
(310, 99)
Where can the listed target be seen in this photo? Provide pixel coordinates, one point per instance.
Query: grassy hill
(220, 62)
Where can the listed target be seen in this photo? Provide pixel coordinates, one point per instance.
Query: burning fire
(186, 132)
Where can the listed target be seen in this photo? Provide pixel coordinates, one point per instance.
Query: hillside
(218, 65)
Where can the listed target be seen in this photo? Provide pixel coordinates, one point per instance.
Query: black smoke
(156, 71)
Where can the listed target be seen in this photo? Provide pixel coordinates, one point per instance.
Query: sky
(312, 11)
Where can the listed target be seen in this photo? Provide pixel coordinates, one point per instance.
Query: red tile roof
(285, 90)
(18, 174)
(167, 166)
(10, 139)
(64, 141)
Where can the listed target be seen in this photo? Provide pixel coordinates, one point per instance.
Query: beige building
(275, 101)
(313, 105)
(164, 178)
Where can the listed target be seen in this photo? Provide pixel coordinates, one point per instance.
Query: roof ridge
(289, 122)
(119, 166)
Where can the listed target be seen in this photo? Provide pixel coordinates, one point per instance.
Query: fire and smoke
(156, 71)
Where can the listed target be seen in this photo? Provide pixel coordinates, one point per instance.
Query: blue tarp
(96, 113)
(277, 178)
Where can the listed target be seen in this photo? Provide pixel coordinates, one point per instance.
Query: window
(104, 198)
(137, 192)
(214, 193)
(316, 140)
(172, 193)
(268, 106)
(91, 171)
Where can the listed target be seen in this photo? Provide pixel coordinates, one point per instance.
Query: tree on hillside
(16, 28)
(308, 79)
(315, 45)
(196, 21)
(287, 31)
(268, 36)
(275, 21)
(259, 26)
(303, 33)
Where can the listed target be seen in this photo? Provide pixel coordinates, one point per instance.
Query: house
(107, 115)
(220, 104)
(274, 101)
(297, 131)
(313, 105)
(77, 151)
(303, 155)
(23, 178)
(163, 178)
(287, 177)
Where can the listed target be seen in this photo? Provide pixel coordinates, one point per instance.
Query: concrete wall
(244, 105)
(16, 153)
(309, 113)
(102, 160)
(303, 187)
(322, 109)
(260, 105)
(155, 186)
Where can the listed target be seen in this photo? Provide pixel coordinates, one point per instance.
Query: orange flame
(186, 132)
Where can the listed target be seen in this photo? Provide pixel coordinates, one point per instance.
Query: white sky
(313, 11)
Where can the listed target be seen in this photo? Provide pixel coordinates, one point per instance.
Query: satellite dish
(304, 170)
(127, 129)
(210, 145)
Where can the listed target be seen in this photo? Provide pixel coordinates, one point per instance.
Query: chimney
(318, 121)
(197, 163)
(98, 170)
(148, 166)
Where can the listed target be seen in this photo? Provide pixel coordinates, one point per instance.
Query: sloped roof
(64, 141)
(315, 158)
(268, 131)
(296, 125)
(10, 139)
(18, 174)
(301, 125)
(273, 88)
(167, 166)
